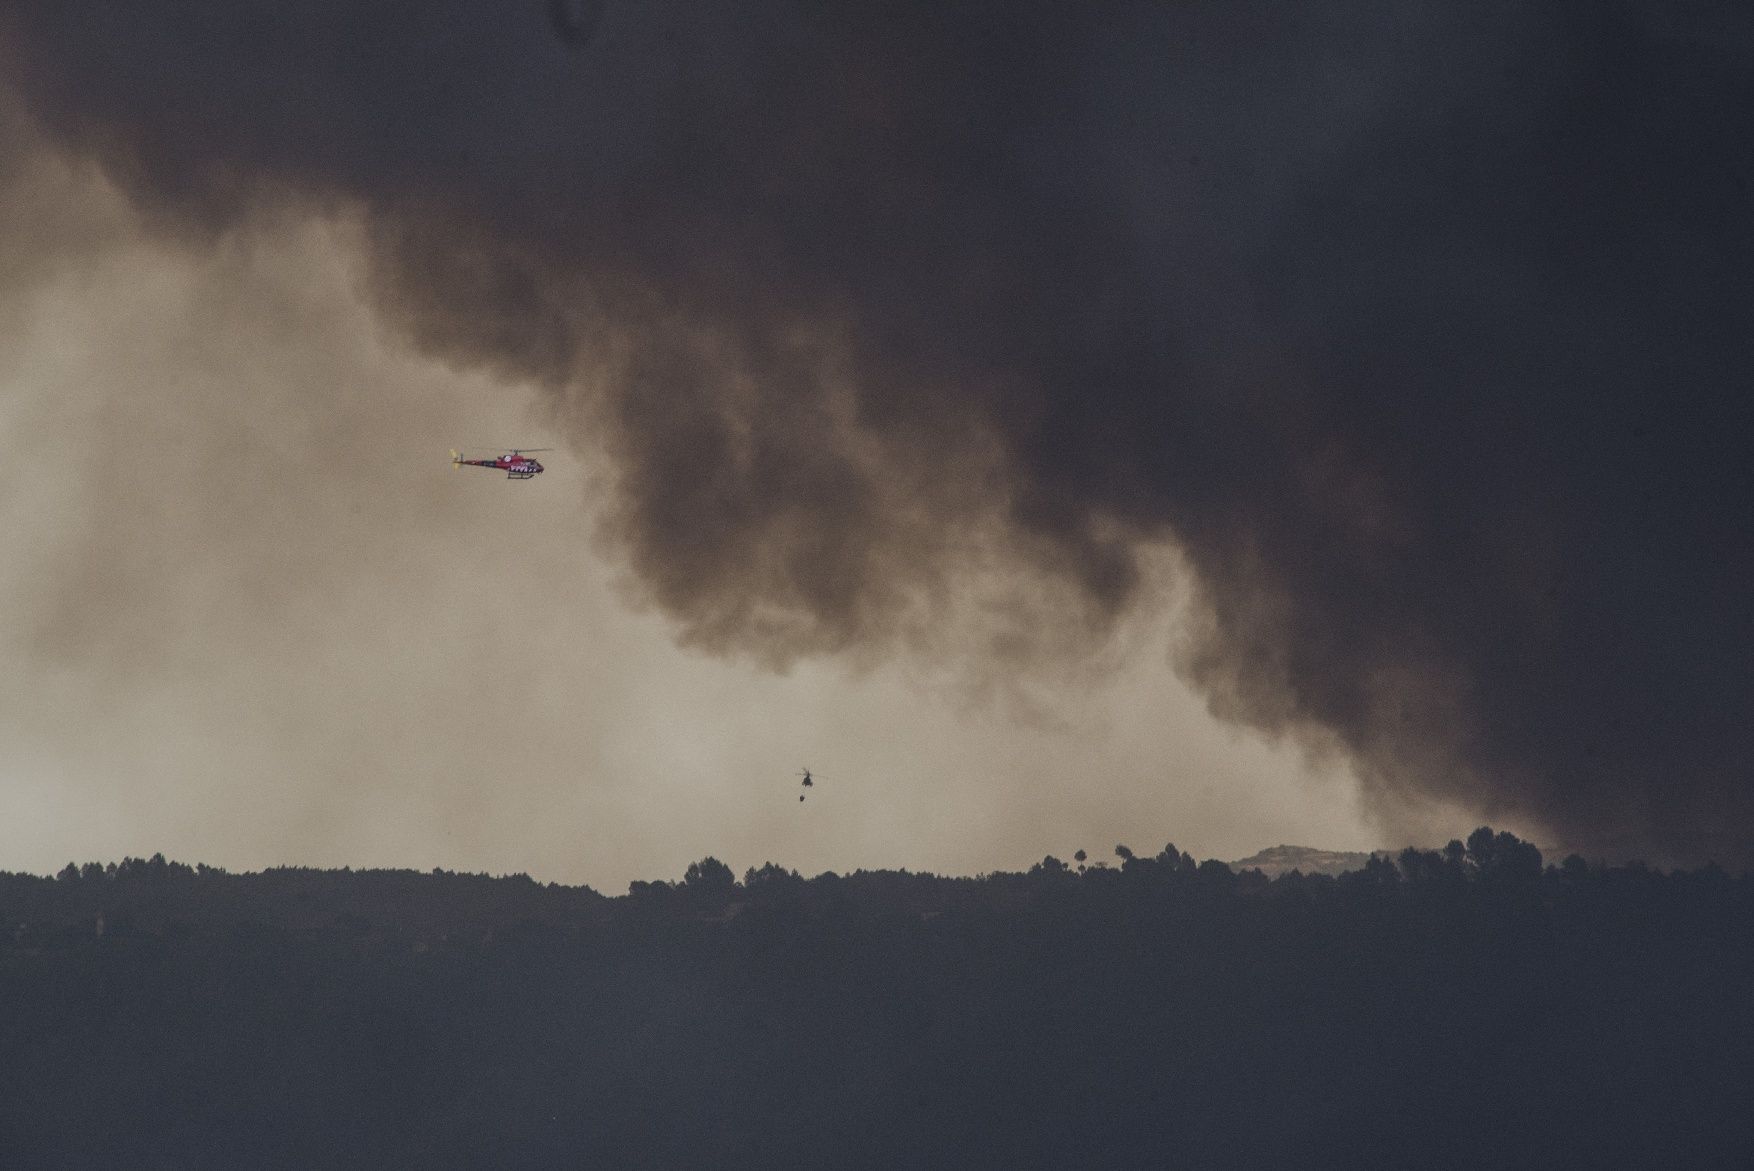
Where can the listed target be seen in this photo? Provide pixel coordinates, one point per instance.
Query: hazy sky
(936, 375)
(253, 617)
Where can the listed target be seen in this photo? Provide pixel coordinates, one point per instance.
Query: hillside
(1277, 860)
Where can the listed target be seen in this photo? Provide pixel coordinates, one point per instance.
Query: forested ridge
(1465, 1007)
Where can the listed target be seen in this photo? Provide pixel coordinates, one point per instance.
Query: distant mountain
(1277, 860)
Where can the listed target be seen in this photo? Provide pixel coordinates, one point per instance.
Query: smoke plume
(1419, 329)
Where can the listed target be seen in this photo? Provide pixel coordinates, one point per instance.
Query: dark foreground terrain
(1464, 1008)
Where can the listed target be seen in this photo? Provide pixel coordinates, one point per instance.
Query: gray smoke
(1420, 330)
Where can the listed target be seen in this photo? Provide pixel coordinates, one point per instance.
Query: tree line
(1441, 1008)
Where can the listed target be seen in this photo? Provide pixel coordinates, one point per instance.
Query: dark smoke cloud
(1423, 329)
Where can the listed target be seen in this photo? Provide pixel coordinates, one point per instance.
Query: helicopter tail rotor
(456, 459)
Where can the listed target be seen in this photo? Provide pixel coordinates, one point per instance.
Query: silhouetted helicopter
(808, 782)
(513, 463)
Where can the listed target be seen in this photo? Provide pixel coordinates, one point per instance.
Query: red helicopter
(515, 463)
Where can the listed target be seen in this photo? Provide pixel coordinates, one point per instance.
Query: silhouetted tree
(709, 876)
(1503, 857)
(1214, 873)
(770, 875)
(1377, 871)
(1418, 865)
